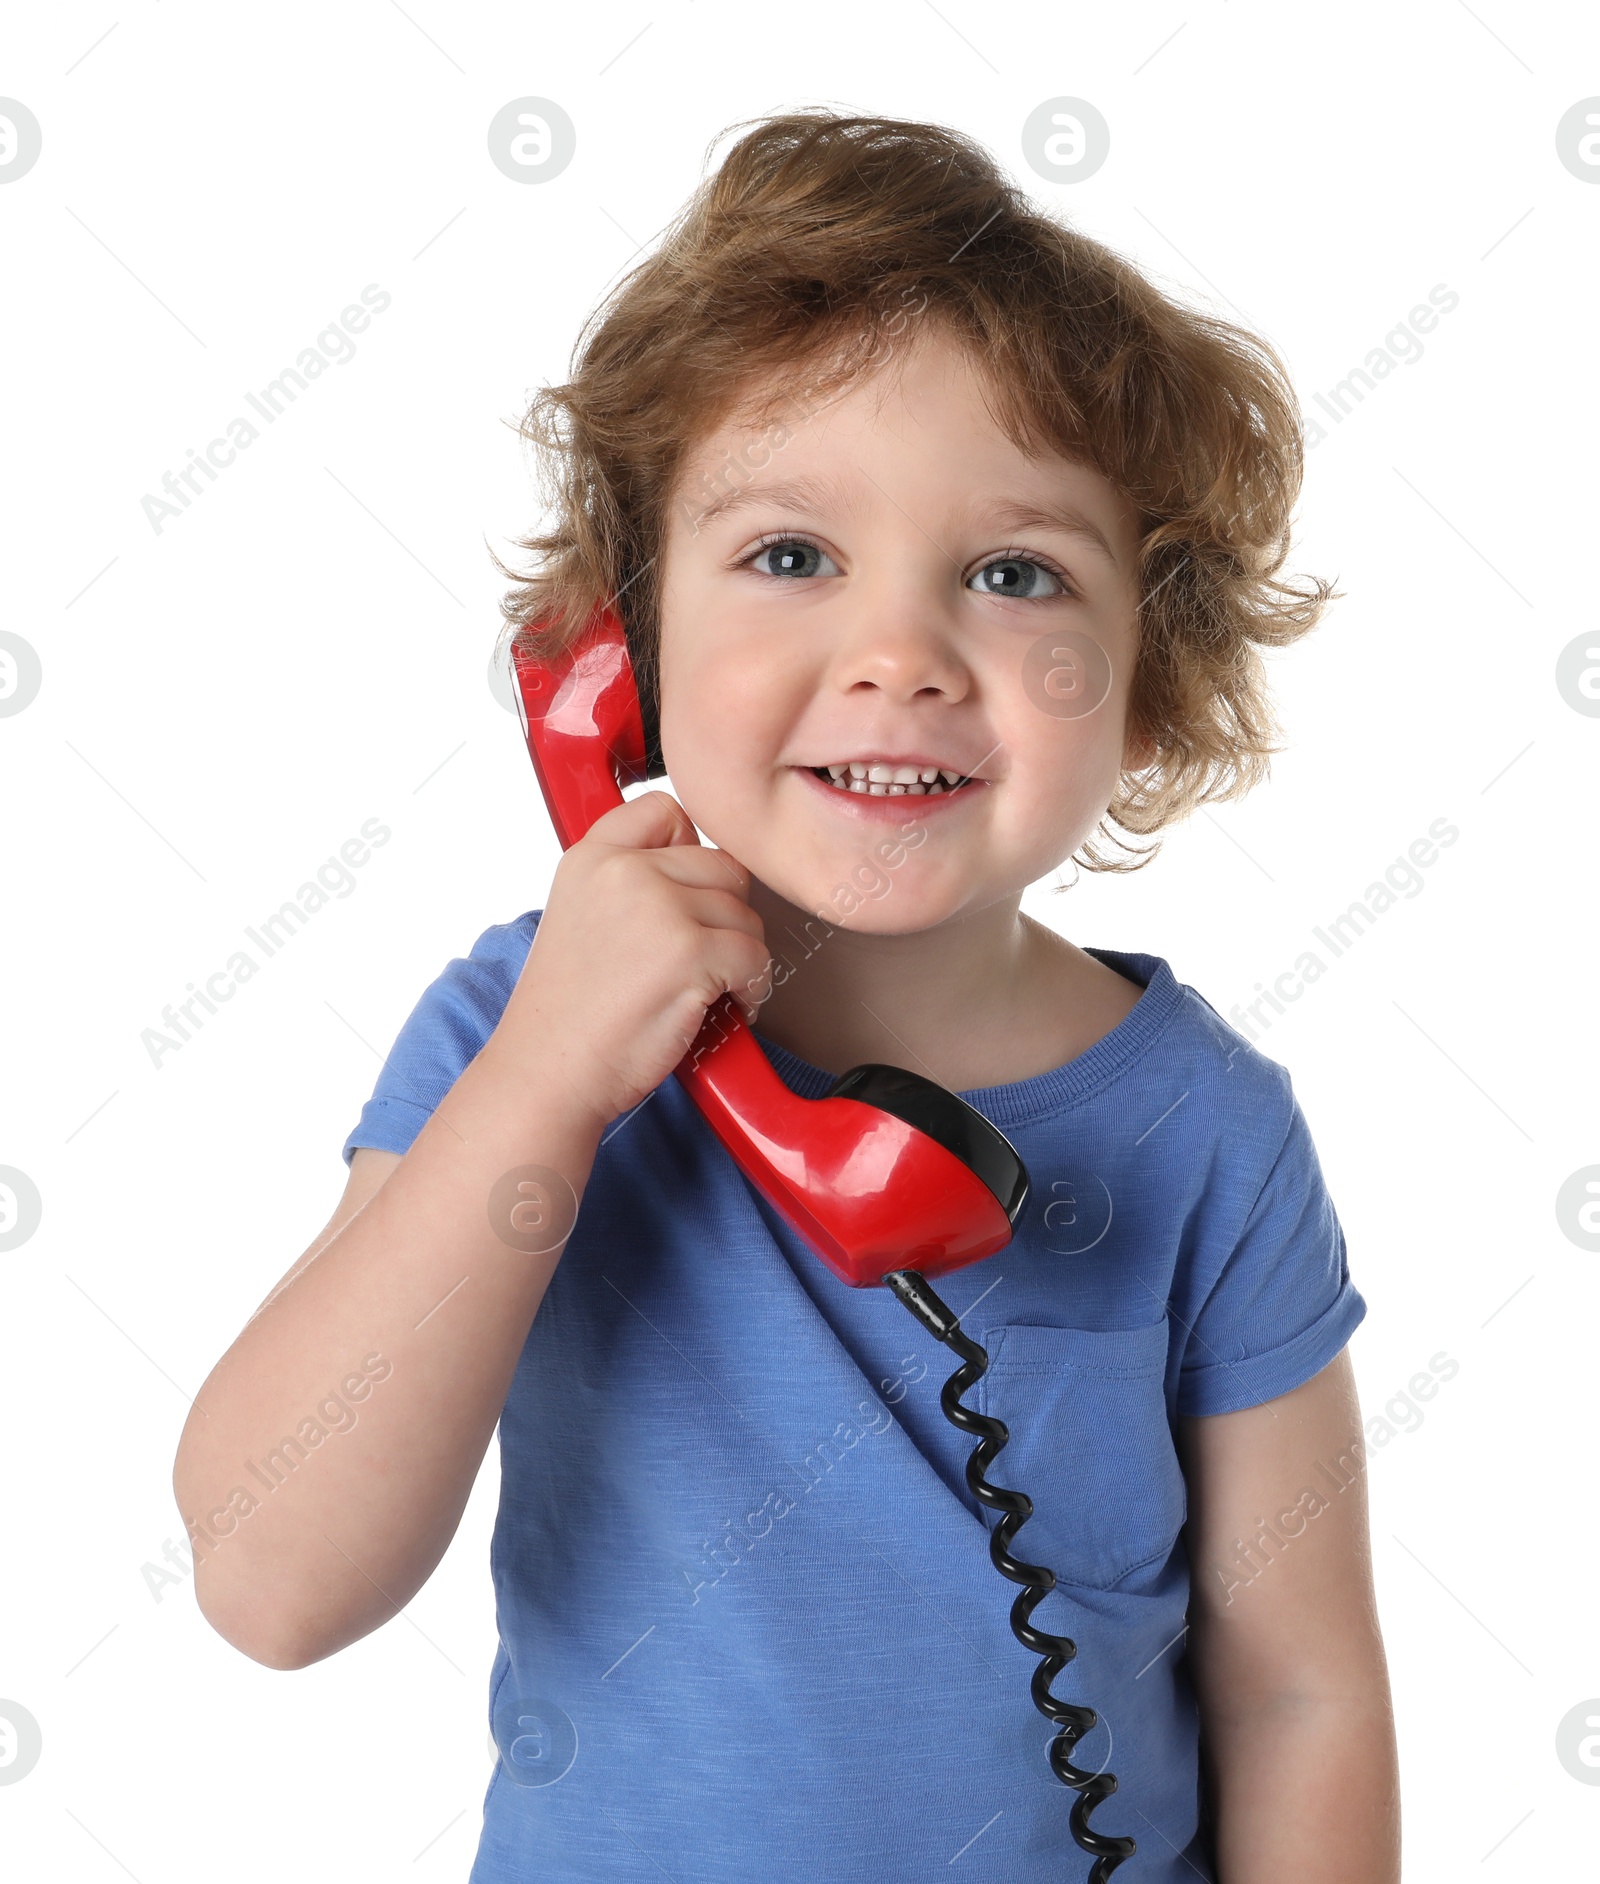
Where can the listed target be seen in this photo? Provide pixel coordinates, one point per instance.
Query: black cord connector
(1037, 1581)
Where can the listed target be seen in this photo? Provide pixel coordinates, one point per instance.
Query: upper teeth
(860, 775)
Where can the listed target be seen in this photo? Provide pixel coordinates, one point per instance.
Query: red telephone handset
(887, 1171)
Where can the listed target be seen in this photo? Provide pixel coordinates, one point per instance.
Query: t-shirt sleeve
(1283, 1304)
(442, 1036)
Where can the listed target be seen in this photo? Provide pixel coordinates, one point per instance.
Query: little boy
(945, 543)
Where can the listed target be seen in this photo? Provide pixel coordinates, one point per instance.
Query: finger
(653, 820)
(738, 876)
(690, 835)
(716, 908)
(737, 965)
(704, 868)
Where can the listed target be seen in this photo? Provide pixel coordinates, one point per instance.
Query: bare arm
(329, 1455)
(410, 1301)
(1284, 1645)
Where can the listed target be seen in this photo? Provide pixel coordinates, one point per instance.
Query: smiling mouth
(891, 781)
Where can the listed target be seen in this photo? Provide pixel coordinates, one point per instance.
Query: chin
(867, 901)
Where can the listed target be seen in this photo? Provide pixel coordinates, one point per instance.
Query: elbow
(229, 1597)
(272, 1644)
(282, 1656)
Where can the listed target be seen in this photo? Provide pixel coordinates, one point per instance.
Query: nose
(897, 637)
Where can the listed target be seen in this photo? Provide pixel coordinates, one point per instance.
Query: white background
(224, 703)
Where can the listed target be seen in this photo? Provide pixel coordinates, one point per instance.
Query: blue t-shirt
(748, 1622)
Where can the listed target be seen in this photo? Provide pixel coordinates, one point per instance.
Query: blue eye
(790, 556)
(1015, 575)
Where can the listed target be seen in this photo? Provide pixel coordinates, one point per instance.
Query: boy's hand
(644, 928)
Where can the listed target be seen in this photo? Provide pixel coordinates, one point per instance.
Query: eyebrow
(1019, 514)
(800, 494)
(821, 494)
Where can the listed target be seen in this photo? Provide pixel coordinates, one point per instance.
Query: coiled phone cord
(1037, 1581)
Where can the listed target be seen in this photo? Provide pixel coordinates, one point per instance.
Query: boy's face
(896, 583)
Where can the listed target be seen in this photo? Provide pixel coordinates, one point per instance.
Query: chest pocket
(1090, 1445)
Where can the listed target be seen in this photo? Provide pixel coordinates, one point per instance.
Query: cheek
(1062, 775)
(1060, 760)
(727, 708)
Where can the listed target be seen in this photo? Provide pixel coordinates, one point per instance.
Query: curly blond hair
(790, 266)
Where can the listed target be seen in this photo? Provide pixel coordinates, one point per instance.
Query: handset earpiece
(581, 716)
